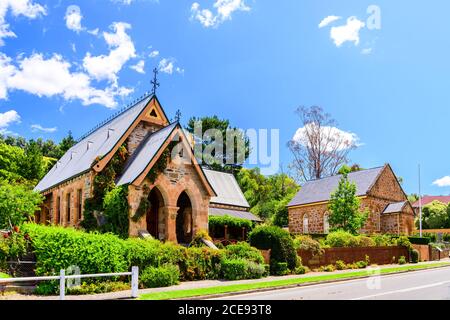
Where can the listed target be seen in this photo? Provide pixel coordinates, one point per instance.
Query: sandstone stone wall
(58, 206)
(178, 177)
(138, 135)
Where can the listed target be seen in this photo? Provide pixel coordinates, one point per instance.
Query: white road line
(437, 284)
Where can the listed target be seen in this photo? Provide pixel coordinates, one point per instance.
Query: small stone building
(159, 168)
(390, 212)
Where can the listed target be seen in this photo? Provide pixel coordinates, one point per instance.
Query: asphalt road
(418, 285)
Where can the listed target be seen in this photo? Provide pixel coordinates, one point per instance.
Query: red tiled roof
(428, 199)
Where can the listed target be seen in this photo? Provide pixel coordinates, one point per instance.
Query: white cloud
(154, 54)
(94, 32)
(25, 8)
(38, 127)
(139, 67)
(224, 11)
(8, 118)
(52, 77)
(366, 51)
(168, 66)
(341, 139)
(348, 32)
(326, 21)
(106, 67)
(73, 18)
(442, 182)
(6, 71)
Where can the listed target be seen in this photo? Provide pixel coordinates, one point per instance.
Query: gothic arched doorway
(184, 219)
(156, 204)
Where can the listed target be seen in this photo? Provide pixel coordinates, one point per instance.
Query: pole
(134, 282)
(420, 207)
(62, 284)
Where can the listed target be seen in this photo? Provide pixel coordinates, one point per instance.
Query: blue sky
(250, 61)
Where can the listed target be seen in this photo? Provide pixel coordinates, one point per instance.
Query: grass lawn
(3, 275)
(179, 294)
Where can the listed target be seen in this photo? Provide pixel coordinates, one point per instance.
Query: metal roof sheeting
(234, 213)
(80, 157)
(320, 190)
(227, 189)
(145, 154)
(395, 207)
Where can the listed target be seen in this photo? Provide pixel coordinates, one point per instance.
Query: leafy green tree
(435, 215)
(413, 197)
(346, 169)
(268, 196)
(66, 143)
(344, 208)
(17, 204)
(33, 166)
(224, 161)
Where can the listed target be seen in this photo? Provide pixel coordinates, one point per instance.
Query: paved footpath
(189, 285)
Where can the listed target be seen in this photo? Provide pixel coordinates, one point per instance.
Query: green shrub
(243, 250)
(307, 243)
(340, 265)
(402, 260)
(403, 242)
(300, 270)
(96, 288)
(382, 240)
(328, 268)
(58, 248)
(280, 243)
(116, 209)
(234, 269)
(201, 264)
(255, 270)
(414, 256)
(231, 222)
(340, 239)
(365, 241)
(158, 277)
(362, 264)
(197, 241)
(280, 269)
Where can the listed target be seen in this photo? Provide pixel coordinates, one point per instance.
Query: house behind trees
(379, 191)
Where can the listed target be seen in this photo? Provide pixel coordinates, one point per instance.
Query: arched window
(305, 224)
(326, 223)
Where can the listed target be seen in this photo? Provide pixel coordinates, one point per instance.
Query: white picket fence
(63, 277)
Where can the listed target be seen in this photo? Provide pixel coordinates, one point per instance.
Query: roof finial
(155, 82)
(178, 116)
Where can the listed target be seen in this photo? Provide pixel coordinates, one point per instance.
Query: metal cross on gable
(155, 82)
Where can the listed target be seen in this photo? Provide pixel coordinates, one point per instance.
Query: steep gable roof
(227, 189)
(98, 144)
(320, 190)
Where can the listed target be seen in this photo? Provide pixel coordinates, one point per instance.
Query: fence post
(62, 284)
(134, 282)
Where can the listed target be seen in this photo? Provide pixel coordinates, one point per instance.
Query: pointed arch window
(326, 223)
(305, 224)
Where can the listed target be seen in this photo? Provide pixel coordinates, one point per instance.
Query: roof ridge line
(337, 175)
(115, 115)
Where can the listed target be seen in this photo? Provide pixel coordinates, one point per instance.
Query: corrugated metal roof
(145, 153)
(428, 199)
(395, 207)
(234, 213)
(320, 190)
(80, 157)
(227, 189)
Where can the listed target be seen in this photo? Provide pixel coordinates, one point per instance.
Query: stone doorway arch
(184, 221)
(155, 212)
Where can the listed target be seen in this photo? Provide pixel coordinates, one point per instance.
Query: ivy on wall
(104, 182)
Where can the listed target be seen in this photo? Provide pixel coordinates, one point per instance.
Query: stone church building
(182, 195)
(379, 191)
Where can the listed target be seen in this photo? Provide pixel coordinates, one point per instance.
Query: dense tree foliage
(344, 208)
(268, 196)
(226, 152)
(435, 215)
(17, 204)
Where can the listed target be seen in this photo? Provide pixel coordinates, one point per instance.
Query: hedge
(232, 222)
(279, 241)
(418, 240)
(59, 248)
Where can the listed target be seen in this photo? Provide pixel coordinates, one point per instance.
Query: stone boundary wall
(377, 255)
(424, 251)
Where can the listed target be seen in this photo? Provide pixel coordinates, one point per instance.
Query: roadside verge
(227, 290)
